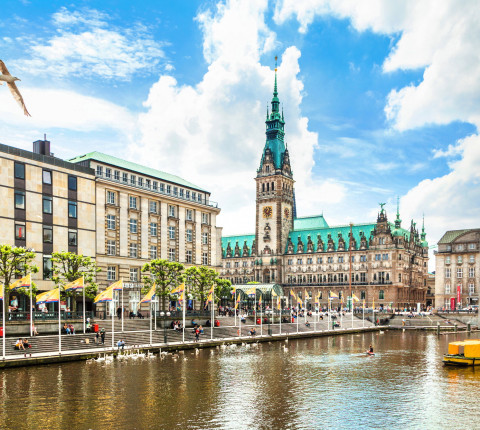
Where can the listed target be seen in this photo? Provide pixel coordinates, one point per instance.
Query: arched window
(356, 277)
(263, 188)
(388, 277)
(267, 169)
(273, 186)
(268, 186)
(334, 278)
(381, 295)
(374, 276)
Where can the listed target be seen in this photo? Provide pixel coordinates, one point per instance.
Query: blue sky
(381, 98)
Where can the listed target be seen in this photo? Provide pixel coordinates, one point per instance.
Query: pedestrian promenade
(137, 335)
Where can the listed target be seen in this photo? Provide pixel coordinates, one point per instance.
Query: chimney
(42, 146)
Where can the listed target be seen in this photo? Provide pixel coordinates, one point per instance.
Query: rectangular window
(187, 194)
(471, 246)
(471, 272)
(384, 256)
(108, 172)
(204, 218)
(447, 260)
(189, 215)
(153, 252)
(340, 259)
(148, 183)
(116, 175)
(169, 189)
(47, 204)
(471, 289)
(175, 191)
(111, 222)
(132, 180)
(19, 170)
(153, 229)
(47, 177)
(171, 232)
(171, 254)
(188, 256)
(459, 259)
(237, 264)
(19, 231)
(204, 238)
(363, 277)
(99, 171)
(140, 182)
(319, 260)
(381, 241)
(205, 258)
(244, 264)
(189, 235)
(133, 250)
(447, 288)
(111, 197)
(362, 295)
(378, 257)
(309, 260)
(329, 259)
(459, 272)
(72, 237)
(133, 202)
(162, 187)
(155, 185)
(471, 259)
(459, 247)
(133, 225)
(153, 207)
(181, 192)
(194, 195)
(299, 261)
(171, 211)
(200, 198)
(47, 268)
(363, 258)
(111, 247)
(72, 183)
(111, 273)
(72, 209)
(448, 272)
(124, 177)
(399, 277)
(47, 234)
(19, 200)
(290, 261)
(381, 295)
(133, 274)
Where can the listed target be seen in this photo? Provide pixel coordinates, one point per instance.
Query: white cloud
(86, 45)
(216, 128)
(443, 38)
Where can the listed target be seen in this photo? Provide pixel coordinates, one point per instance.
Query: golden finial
(276, 58)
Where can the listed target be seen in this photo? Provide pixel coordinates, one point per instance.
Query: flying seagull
(5, 76)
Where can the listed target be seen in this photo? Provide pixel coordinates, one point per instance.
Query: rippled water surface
(305, 384)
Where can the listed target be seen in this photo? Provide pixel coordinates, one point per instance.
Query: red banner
(452, 303)
(459, 296)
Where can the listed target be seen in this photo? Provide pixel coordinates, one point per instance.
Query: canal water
(303, 384)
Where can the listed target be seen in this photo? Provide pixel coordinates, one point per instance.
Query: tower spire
(398, 221)
(275, 92)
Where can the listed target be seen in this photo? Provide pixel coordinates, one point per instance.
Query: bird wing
(17, 96)
(3, 68)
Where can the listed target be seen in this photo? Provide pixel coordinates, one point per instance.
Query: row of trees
(167, 275)
(67, 267)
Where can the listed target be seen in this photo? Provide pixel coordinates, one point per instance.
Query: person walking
(102, 335)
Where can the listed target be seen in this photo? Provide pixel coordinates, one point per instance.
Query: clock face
(286, 213)
(267, 212)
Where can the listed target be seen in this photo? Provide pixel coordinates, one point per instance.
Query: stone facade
(380, 262)
(47, 205)
(457, 268)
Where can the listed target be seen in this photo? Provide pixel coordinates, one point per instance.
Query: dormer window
(267, 169)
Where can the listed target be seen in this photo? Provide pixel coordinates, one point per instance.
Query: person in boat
(370, 349)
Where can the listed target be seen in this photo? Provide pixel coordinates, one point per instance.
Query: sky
(381, 98)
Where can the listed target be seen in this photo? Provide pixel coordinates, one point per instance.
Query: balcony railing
(203, 201)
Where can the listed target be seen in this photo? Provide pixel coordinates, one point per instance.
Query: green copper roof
(138, 168)
(334, 232)
(309, 222)
(233, 240)
(451, 235)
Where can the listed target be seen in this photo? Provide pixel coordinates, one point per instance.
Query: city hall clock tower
(274, 196)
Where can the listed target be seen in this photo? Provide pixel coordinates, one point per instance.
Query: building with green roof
(379, 261)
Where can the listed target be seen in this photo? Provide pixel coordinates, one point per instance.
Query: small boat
(370, 353)
(463, 353)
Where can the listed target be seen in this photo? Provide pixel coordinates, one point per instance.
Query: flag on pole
(233, 292)
(1, 292)
(181, 297)
(333, 295)
(279, 303)
(299, 301)
(75, 285)
(179, 289)
(49, 296)
(260, 301)
(317, 299)
(210, 298)
(26, 281)
(117, 285)
(373, 303)
(274, 294)
(307, 297)
(150, 295)
(355, 298)
(105, 295)
(292, 293)
(363, 304)
(238, 301)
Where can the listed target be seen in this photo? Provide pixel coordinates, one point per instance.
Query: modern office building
(384, 263)
(457, 268)
(48, 205)
(144, 214)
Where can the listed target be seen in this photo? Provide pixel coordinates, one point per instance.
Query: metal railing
(47, 316)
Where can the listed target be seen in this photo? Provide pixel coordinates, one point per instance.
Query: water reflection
(305, 384)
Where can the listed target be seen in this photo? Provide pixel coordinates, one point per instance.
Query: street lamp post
(164, 315)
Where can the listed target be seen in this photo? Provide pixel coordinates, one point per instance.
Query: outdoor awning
(260, 288)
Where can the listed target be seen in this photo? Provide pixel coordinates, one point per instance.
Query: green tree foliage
(68, 267)
(201, 279)
(223, 288)
(15, 262)
(167, 275)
